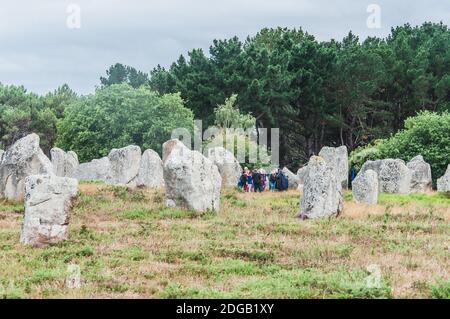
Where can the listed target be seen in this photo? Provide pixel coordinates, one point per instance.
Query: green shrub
(427, 134)
(119, 115)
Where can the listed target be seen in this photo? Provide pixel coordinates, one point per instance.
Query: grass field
(128, 245)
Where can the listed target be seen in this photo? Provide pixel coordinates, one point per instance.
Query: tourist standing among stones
(249, 176)
(242, 185)
(282, 181)
(273, 181)
(257, 186)
(263, 179)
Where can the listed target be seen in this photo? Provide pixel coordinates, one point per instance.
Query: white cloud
(40, 52)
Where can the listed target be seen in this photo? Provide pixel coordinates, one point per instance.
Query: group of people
(256, 180)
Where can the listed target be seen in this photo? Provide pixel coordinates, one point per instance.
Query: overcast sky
(39, 50)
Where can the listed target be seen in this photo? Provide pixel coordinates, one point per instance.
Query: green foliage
(119, 115)
(362, 154)
(234, 135)
(22, 113)
(227, 116)
(318, 93)
(427, 134)
(441, 290)
(119, 73)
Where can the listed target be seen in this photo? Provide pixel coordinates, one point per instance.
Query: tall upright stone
(22, 159)
(64, 164)
(372, 165)
(48, 202)
(394, 177)
(421, 180)
(95, 170)
(150, 170)
(292, 178)
(192, 181)
(322, 192)
(124, 164)
(337, 157)
(365, 187)
(301, 177)
(443, 183)
(229, 168)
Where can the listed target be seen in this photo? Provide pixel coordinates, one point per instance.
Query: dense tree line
(318, 93)
(347, 92)
(427, 134)
(22, 113)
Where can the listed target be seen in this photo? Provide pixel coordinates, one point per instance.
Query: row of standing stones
(190, 179)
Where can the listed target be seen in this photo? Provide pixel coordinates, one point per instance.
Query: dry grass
(129, 245)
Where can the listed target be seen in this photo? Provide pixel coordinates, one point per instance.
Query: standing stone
(228, 166)
(58, 158)
(322, 193)
(365, 187)
(1, 155)
(301, 176)
(443, 183)
(293, 179)
(394, 177)
(302, 173)
(22, 159)
(150, 170)
(124, 164)
(71, 163)
(372, 165)
(96, 170)
(64, 164)
(192, 180)
(337, 157)
(48, 202)
(421, 180)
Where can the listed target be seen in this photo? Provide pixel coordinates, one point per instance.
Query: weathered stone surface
(337, 157)
(322, 192)
(372, 165)
(48, 202)
(302, 173)
(443, 183)
(64, 164)
(421, 180)
(365, 187)
(394, 177)
(58, 158)
(124, 164)
(228, 166)
(22, 159)
(96, 170)
(301, 176)
(192, 181)
(150, 170)
(293, 178)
